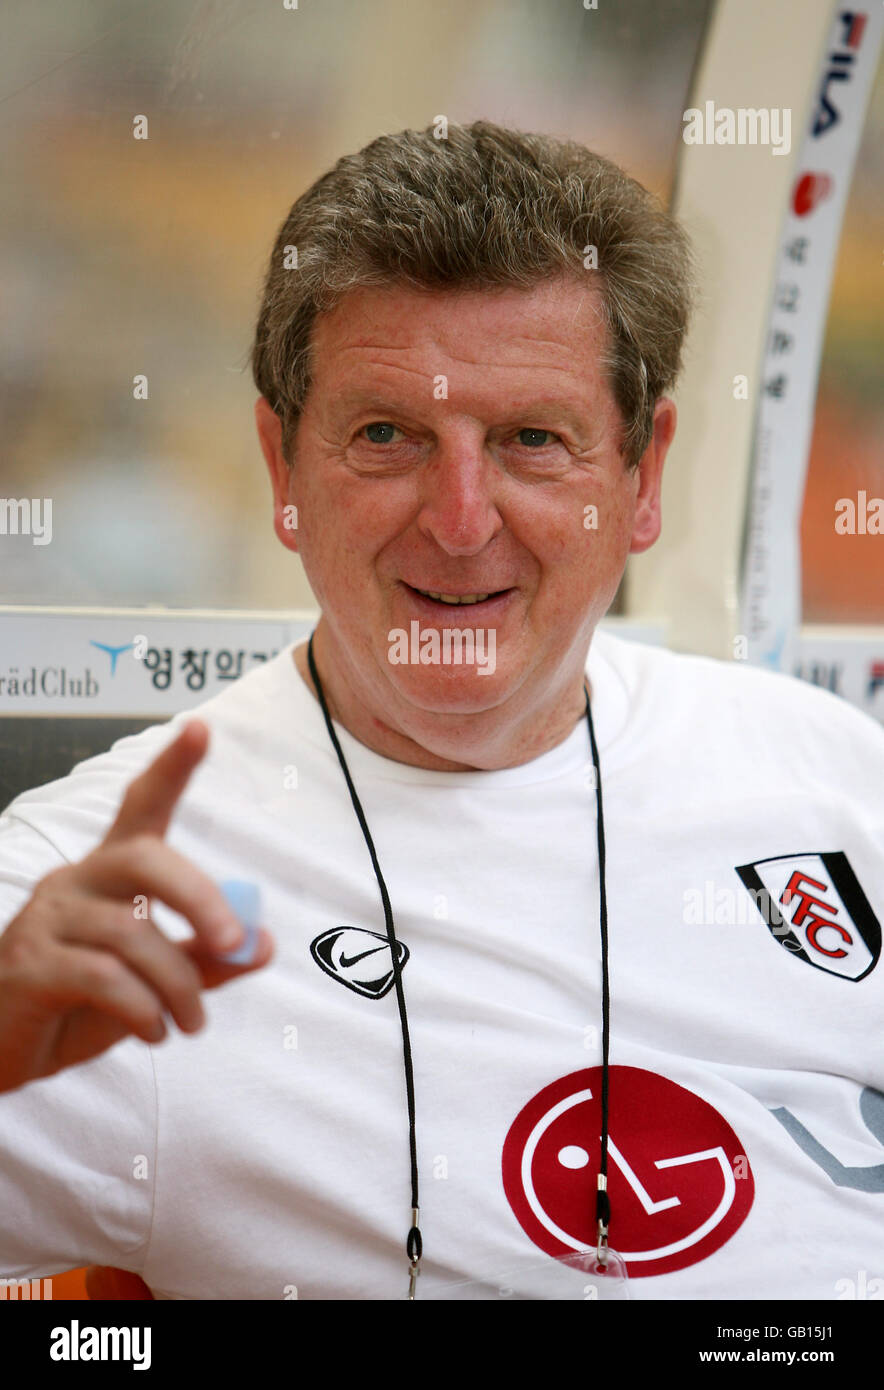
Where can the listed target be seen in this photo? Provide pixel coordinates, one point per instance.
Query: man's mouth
(458, 600)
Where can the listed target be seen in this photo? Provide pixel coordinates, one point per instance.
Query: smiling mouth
(457, 600)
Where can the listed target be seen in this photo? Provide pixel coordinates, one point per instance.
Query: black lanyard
(414, 1244)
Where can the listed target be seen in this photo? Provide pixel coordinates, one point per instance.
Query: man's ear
(285, 513)
(649, 472)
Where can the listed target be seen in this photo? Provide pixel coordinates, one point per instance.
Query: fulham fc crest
(813, 905)
(360, 959)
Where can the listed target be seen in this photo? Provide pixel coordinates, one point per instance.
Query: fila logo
(814, 906)
(851, 25)
(362, 960)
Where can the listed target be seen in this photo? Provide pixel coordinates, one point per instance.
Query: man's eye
(534, 438)
(379, 432)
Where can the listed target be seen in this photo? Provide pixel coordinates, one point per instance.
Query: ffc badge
(814, 906)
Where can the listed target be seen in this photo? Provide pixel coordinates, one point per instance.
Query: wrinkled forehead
(552, 331)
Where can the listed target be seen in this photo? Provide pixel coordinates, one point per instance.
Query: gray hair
(485, 206)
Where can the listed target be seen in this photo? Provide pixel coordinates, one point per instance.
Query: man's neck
(489, 750)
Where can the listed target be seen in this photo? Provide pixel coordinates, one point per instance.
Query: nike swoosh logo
(344, 961)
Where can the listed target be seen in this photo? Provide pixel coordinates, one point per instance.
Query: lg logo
(673, 1170)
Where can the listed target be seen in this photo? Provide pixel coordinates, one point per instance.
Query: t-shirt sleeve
(78, 1149)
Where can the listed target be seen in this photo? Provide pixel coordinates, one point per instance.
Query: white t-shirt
(267, 1156)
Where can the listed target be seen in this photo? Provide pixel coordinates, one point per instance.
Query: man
(463, 356)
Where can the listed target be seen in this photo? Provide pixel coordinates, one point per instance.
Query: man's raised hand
(79, 969)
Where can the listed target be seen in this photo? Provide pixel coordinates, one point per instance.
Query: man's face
(463, 443)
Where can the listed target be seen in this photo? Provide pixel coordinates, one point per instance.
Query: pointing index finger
(150, 799)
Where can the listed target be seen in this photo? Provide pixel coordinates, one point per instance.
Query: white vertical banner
(770, 589)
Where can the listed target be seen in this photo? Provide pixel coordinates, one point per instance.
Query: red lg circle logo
(679, 1182)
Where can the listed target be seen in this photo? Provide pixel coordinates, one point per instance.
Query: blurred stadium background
(122, 256)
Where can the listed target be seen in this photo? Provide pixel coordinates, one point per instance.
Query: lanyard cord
(414, 1244)
(602, 1201)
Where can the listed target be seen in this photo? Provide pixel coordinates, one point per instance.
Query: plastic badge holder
(576, 1277)
(244, 898)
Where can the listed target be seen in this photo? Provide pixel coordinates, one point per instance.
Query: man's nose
(458, 506)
